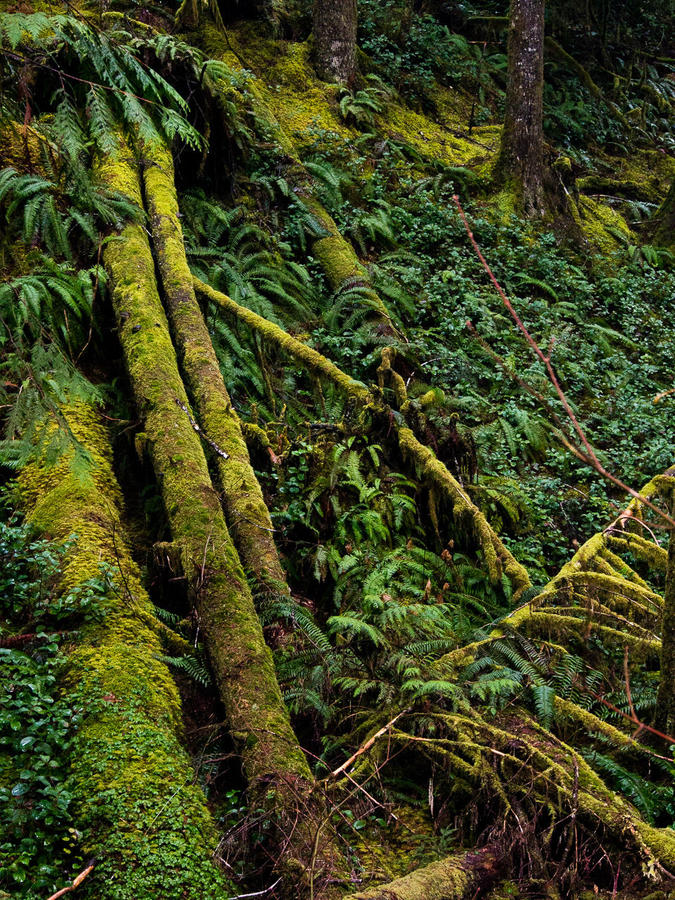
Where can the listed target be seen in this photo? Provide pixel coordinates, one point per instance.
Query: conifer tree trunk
(665, 699)
(522, 151)
(335, 24)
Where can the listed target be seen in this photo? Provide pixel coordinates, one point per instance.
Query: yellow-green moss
(595, 218)
(431, 140)
(447, 879)
(22, 147)
(132, 783)
(293, 92)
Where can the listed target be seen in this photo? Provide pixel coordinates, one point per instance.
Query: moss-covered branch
(517, 761)
(452, 878)
(498, 559)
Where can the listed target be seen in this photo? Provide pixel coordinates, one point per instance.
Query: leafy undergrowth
(38, 722)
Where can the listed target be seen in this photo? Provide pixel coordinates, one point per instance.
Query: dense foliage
(395, 615)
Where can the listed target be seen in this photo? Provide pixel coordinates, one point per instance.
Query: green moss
(135, 803)
(446, 879)
(438, 140)
(595, 218)
(245, 508)
(299, 101)
(21, 147)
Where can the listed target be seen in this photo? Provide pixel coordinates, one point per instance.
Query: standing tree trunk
(665, 699)
(661, 227)
(335, 39)
(522, 152)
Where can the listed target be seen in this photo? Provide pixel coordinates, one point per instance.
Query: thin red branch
(633, 718)
(76, 883)
(550, 371)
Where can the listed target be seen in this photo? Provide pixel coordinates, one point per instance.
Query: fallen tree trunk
(278, 774)
(454, 878)
(247, 515)
(136, 802)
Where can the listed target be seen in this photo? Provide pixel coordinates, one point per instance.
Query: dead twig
(368, 744)
(201, 433)
(76, 883)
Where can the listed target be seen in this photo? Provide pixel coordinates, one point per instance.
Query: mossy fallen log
(246, 513)
(278, 774)
(498, 559)
(141, 815)
(453, 878)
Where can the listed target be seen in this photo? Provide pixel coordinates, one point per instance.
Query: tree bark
(664, 719)
(522, 151)
(335, 39)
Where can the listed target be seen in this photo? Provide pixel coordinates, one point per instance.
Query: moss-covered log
(454, 878)
(339, 261)
(246, 513)
(136, 802)
(277, 771)
(498, 559)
